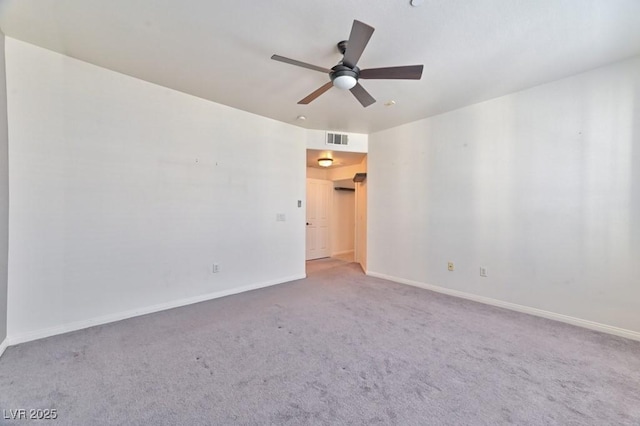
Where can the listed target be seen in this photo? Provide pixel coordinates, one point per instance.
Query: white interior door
(318, 210)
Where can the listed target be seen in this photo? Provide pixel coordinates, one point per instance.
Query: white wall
(4, 197)
(542, 187)
(123, 194)
(313, 173)
(343, 221)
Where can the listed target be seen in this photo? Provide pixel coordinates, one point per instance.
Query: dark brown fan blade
(409, 72)
(358, 39)
(300, 64)
(362, 95)
(316, 93)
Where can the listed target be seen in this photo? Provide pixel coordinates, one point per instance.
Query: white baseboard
(15, 339)
(338, 253)
(3, 346)
(592, 325)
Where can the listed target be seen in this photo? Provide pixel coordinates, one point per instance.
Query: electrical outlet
(281, 217)
(450, 266)
(483, 271)
(216, 268)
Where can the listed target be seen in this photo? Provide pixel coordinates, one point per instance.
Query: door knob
(308, 224)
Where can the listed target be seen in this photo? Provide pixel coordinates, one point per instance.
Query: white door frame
(360, 243)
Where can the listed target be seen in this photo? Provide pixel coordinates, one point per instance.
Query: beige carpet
(335, 348)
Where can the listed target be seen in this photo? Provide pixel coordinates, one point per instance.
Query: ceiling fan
(346, 74)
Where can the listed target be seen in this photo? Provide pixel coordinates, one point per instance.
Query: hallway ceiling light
(325, 162)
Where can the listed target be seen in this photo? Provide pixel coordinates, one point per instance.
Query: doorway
(336, 207)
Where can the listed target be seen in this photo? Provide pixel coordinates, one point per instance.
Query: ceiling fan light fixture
(325, 162)
(343, 77)
(344, 82)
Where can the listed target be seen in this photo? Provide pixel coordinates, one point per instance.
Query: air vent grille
(337, 139)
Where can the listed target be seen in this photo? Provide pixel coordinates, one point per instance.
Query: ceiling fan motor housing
(342, 46)
(340, 70)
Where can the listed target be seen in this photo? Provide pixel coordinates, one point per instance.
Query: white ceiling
(473, 50)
